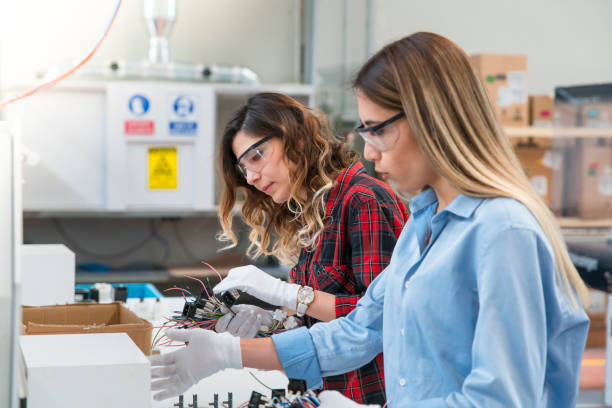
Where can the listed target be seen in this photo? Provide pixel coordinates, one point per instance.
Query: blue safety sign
(138, 105)
(183, 106)
(184, 112)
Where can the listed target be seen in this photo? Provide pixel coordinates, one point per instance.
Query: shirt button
(406, 285)
(402, 382)
(402, 331)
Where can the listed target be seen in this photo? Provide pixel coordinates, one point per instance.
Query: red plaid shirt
(364, 219)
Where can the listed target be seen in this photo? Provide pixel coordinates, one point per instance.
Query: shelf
(568, 132)
(572, 222)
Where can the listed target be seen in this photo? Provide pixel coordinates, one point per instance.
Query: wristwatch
(305, 296)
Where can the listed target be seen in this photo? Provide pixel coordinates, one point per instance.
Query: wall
(567, 42)
(261, 34)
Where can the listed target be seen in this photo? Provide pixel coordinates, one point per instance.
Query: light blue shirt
(473, 317)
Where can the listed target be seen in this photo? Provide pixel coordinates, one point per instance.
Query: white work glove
(333, 399)
(207, 353)
(246, 322)
(255, 282)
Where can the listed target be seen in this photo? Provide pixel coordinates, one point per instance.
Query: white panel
(65, 130)
(10, 237)
(97, 370)
(47, 275)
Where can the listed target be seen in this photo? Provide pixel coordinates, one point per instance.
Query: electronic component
(296, 386)
(228, 403)
(278, 393)
(215, 403)
(194, 403)
(256, 400)
(229, 298)
(179, 404)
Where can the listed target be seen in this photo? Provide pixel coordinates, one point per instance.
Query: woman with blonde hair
(480, 305)
(310, 203)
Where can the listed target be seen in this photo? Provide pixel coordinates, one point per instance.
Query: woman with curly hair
(310, 203)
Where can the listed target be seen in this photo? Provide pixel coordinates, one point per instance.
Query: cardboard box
(47, 275)
(88, 318)
(597, 314)
(541, 110)
(538, 161)
(590, 181)
(100, 370)
(505, 79)
(597, 115)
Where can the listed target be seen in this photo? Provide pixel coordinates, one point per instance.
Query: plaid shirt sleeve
(373, 227)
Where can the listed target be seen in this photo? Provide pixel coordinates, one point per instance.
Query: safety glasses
(254, 158)
(382, 136)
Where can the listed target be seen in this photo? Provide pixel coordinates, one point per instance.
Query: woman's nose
(370, 153)
(252, 176)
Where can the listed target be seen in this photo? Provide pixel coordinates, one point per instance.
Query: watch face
(306, 295)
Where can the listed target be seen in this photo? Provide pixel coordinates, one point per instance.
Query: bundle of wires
(204, 310)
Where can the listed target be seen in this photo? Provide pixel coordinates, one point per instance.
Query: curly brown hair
(318, 156)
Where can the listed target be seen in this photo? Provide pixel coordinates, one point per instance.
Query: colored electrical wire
(205, 310)
(71, 71)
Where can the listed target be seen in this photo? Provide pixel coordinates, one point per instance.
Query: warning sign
(163, 169)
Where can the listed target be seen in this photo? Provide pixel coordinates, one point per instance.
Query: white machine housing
(127, 146)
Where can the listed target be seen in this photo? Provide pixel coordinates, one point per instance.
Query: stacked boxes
(541, 110)
(505, 78)
(587, 177)
(538, 161)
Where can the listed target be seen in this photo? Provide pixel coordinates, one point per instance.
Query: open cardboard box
(87, 318)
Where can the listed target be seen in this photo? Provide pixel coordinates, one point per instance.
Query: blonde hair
(432, 80)
(308, 142)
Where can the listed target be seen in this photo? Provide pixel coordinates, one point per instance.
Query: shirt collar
(463, 206)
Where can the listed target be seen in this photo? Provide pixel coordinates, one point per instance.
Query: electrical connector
(296, 386)
(256, 400)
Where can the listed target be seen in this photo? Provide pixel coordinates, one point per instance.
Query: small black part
(278, 393)
(255, 400)
(179, 404)
(94, 294)
(114, 66)
(23, 402)
(296, 386)
(81, 295)
(206, 72)
(194, 404)
(215, 403)
(121, 293)
(189, 309)
(228, 299)
(200, 302)
(228, 403)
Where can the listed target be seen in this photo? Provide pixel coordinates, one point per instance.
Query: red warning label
(139, 127)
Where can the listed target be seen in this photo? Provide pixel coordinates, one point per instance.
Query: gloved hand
(333, 399)
(207, 353)
(255, 282)
(246, 321)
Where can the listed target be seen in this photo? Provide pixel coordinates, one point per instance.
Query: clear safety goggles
(382, 136)
(254, 158)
